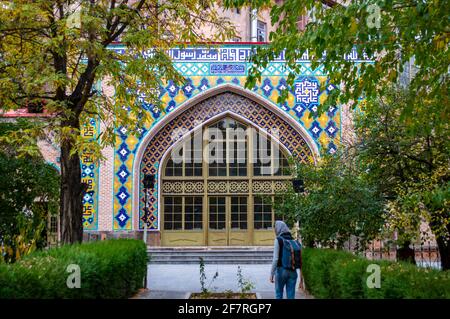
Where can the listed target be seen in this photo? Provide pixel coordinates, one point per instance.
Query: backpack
(291, 254)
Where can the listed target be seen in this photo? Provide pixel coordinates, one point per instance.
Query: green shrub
(109, 269)
(337, 274)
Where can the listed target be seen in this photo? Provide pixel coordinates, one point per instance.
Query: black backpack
(291, 253)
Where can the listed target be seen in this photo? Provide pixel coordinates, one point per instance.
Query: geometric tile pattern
(255, 113)
(203, 74)
(89, 175)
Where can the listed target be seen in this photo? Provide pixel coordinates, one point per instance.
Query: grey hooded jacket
(280, 228)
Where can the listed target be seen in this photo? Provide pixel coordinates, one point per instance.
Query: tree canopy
(29, 192)
(391, 33)
(55, 53)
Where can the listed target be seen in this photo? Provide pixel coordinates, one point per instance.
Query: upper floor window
(225, 146)
(261, 31)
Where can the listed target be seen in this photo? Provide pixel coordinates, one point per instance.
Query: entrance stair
(211, 255)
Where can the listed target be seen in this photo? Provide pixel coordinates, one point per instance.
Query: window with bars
(217, 212)
(193, 158)
(173, 169)
(173, 212)
(53, 224)
(261, 31)
(269, 159)
(238, 212)
(227, 154)
(193, 212)
(283, 168)
(262, 213)
(191, 163)
(262, 155)
(231, 159)
(177, 207)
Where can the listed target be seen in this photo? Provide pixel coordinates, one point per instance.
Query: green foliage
(338, 203)
(245, 285)
(204, 287)
(58, 52)
(337, 274)
(109, 269)
(29, 192)
(408, 31)
(408, 160)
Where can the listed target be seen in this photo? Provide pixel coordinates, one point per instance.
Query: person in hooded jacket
(281, 276)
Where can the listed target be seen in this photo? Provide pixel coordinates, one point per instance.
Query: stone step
(215, 261)
(210, 255)
(212, 248)
(228, 253)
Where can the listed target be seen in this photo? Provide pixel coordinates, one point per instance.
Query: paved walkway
(171, 281)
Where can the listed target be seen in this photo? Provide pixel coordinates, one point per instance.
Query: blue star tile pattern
(313, 108)
(171, 106)
(188, 88)
(172, 89)
(299, 109)
(156, 112)
(123, 173)
(87, 170)
(331, 129)
(285, 107)
(330, 87)
(282, 85)
(315, 129)
(122, 217)
(122, 195)
(332, 111)
(332, 148)
(267, 87)
(123, 132)
(88, 197)
(204, 85)
(123, 152)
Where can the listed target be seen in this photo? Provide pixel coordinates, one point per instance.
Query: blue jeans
(285, 277)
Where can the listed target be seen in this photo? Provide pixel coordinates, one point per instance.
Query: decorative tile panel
(206, 68)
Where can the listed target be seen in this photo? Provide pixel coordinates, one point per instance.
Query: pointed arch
(226, 98)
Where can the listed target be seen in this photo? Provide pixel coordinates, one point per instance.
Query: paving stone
(174, 281)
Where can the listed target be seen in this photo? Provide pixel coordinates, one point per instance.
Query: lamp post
(299, 188)
(298, 185)
(149, 183)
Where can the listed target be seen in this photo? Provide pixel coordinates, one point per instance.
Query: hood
(281, 227)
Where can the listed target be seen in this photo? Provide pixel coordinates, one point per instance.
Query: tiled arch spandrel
(250, 110)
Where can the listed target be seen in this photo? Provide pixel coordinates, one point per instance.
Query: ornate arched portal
(248, 113)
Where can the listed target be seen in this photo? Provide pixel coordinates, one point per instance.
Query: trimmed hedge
(109, 269)
(337, 274)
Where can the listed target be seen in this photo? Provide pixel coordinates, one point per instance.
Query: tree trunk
(444, 251)
(71, 205)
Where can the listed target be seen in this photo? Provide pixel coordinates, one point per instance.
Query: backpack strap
(280, 251)
(292, 256)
